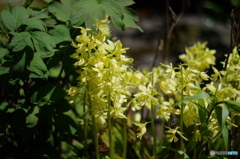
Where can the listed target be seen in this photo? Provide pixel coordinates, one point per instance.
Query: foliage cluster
(64, 98)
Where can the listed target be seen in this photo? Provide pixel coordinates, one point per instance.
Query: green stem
(194, 142)
(95, 132)
(153, 124)
(124, 138)
(153, 132)
(111, 146)
(181, 112)
(85, 121)
(27, 3)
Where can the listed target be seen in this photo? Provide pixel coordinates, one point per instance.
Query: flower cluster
(184, 81)
(102, 69)
(104, 74)
(111, 86)
(198, 56)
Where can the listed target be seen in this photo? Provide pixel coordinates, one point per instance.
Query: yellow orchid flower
(142, 128)
(171, 134)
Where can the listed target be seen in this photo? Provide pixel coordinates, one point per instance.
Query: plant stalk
(111, 146)
(124, 138)
(153, 124)
(181, 111)
(95, 132)
(195, 141)
(85, 120)
(153, 131)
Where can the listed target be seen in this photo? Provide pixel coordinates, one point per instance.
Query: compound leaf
(60, 33)
(20, 41)
(47, 93)
(14, 20)
(90, 10)
(43, 43)
(20, 14)
(130, 16)
(62, 10)
(37, 66)
(23, 59)
(8, 20)
(34, 23)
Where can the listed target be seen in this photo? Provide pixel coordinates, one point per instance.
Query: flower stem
(111, 146)
(153, 124)
(181, 111)
(153, 131)
(94, 124)
(124, 138)
(85, 120)
(195, 141)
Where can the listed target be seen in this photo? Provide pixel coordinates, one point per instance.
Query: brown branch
(165, 44)
(169, 32)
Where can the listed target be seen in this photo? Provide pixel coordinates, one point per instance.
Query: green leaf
(14, 20)
(32, 117)
(47, 93)
(124, 2)
(3, 52)
(121, 17)
(62, 11)
(222, 114)
(60, 33)
(64, 125)
(181, 153)
(35, 24)
(26, 3)
(43, 43)
(50, 22)
(20, 14)
(47, 1)
(20, 40)
(130, 16)
(4, 70)
(8, 20)
(234, 105)
(20, 65)
(23, 59)
(39, 14)
(202, 110)
(38, 67)
(115, 11)
(90, 10)
(198, 96)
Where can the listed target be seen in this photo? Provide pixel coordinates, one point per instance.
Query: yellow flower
(145, 95)
(102, 26)
(199, 56)
(168, 85)
(72, 91)
(117, 110)
(198, 136)
(166, 109)
(171, 134)
(189, 118)
(142, 128)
